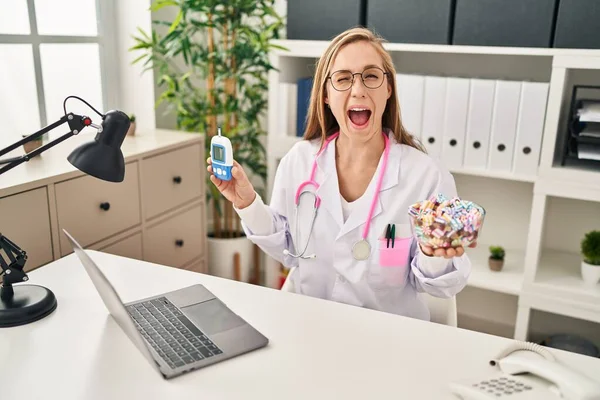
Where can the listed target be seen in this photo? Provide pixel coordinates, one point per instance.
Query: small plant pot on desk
(32, 145)
(131, 130)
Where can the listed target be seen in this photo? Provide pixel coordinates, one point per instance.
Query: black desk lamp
(101, 158)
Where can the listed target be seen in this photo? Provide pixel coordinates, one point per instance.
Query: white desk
(318, 349)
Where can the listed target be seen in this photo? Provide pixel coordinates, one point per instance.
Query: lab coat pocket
(393, 261)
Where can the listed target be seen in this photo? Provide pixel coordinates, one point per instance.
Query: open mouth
(359, 116)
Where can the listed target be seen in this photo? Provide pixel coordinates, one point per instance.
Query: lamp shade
(102, 158)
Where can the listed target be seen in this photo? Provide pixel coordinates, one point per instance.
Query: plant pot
(495, 264)
(221, 253)
(31, 146)
(131, 130)
(590, 273)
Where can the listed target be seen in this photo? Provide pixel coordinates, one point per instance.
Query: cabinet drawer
(171, 179)
(177, 240)
(130, 247)
(25, 221)
(91, 209)
(196, 266)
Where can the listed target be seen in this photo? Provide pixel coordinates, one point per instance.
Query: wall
(164, 119)
(135, 89)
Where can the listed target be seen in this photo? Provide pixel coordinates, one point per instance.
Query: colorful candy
(442, 222)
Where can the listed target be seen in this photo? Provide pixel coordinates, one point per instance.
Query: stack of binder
(304, 89)
(467, 123)
(582, 144)
(480, 124)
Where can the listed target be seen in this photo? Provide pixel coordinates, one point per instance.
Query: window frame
(106, 40)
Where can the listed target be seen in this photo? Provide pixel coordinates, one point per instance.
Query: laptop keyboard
(170, 333)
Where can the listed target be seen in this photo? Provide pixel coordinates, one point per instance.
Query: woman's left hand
(446, 253)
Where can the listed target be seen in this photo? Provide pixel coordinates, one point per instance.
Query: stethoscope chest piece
(361, 250)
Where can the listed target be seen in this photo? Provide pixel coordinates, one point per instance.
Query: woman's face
(358, 107)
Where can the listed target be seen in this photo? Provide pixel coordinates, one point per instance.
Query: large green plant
(224, 47)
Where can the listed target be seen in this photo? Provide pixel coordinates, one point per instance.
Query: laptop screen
(111, 299)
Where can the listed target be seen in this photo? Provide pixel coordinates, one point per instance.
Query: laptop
(177, 331)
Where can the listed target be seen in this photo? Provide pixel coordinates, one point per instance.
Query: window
(48, 51)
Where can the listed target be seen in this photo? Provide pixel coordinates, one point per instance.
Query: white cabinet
(92, 210)
(156, 214)
(130, 247)
(171, 179)
(176, 240)
(198, 265)
(25, 220)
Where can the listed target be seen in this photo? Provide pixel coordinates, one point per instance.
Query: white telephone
(547, 378)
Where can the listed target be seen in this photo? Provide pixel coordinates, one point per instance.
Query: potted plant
(212, 63)
(590, 264)
(131, 131)
(496, 259)
(33, 144)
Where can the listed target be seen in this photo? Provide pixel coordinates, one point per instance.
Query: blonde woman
(340, 193)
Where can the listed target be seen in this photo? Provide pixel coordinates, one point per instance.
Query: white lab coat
(411, 176)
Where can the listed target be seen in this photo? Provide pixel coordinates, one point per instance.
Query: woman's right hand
(238, 190)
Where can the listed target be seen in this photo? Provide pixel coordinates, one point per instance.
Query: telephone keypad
(502, 387)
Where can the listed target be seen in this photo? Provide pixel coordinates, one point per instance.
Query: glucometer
(221, 154)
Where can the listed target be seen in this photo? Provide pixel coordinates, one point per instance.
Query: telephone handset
(546, 378)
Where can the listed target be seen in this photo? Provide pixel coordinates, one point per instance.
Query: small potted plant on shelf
(131, 130)
(496, 260)
(590, 251)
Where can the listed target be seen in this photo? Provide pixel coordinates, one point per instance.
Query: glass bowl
(441, 222)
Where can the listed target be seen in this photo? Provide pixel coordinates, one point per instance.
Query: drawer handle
(177, 179)
(105, 206)
(179, 243)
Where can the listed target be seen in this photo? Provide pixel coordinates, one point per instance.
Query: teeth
(359, 109)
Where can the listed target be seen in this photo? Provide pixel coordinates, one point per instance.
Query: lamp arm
(101, 158)
(76, 124)
(31, 137)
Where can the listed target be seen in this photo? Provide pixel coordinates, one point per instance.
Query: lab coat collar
(330, 193)
(328, 189)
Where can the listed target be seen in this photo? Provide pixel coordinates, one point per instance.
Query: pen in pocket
(390, 233)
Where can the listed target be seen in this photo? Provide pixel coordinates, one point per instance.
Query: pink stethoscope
(361, 250)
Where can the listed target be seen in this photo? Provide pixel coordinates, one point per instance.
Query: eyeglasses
(371, 77)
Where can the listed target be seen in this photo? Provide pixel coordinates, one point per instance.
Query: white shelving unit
(539, 219)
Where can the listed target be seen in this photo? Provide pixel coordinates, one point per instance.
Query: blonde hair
(320, 121)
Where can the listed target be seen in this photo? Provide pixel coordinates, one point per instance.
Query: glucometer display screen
(218, 153)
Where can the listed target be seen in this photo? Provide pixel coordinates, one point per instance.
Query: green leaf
(162, 3)
(144, 34)
(278, 47)
(137, 59)
(176, 22)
